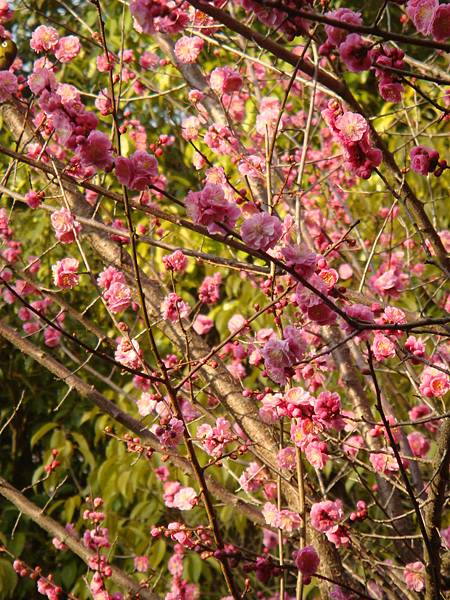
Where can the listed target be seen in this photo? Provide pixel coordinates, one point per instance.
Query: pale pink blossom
(44, 39)
(141, 563)
(202, 324)
(185, 499)
(67, 49)
(187, 49)
(118, 297)
(261, 231)
(65, 226)
(176, 261)
(414, 576)
(65, 273)
(128, 353)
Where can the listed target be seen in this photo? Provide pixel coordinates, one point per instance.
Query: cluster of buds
(45, 585)
(53, 464)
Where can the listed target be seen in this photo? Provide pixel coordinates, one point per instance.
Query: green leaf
(84, 449)
(41, 432)
(8, 579)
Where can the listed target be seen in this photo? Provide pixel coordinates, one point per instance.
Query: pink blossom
(146, 404)
(421, 13)
(174, 308)
(67, 49)
(335, 35)
(382, 347)
(52, 337)
(190, 128)
(202, 324)
(158, 15)
(286, 520)
(128, 353)
(286, 458)
(225, 80)
(440, 26)
(352, 126)
(141, 563)
(418, 443)
(8, 85)
(187, 49)
(44, 39)
(434, 383)
(34, 199)
(209, 292)
(209, 208)
(138, 171)
(96, 151)
(303, 260)
(384, 462)
(414, 576)
(171, 434)
(423, 159)
(325, 515)
(118, 297)
(108, 276)
(176, 261)
(327, 409)
(65, 273)
(261, 231)
(316, 454)
(214, 439)
(185, 498)
(307, 562)
(354, 52)
(65, 226)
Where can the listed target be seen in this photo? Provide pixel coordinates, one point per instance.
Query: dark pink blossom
(65, 273)
(307, 562)
(424, 160)
(440, 26)
(209, 208)
(96, 151)
(138, 171)
(8, 85)
(354, 52)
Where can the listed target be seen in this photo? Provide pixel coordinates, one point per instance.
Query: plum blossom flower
(128, 353)
(354, 52)
(174, 308)
(384, 462)
(335, 35)
(8, 85)
(187, 49)
(171, 434)
(96, 151)
(418, 443)
(225, 80)
(208, 292)
(424, 160)
(118, 297)
(65, 226)
(421, 13)
(176, 261)
(325, 515)
(108, 276)
(158, 15)
(382, 347)
(261, 231)
(65, 273)
(440, 26)
(141, 563)
(307, 562)
(67, 49)
(44, 39)
(301, 258)
(209, 208)
(138, 171)
(351, 126)
(414, 576)
(202, 324)
(434, 383)
(286, 520)
(185, 498)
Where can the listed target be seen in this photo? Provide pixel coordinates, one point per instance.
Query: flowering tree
(225, 313)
